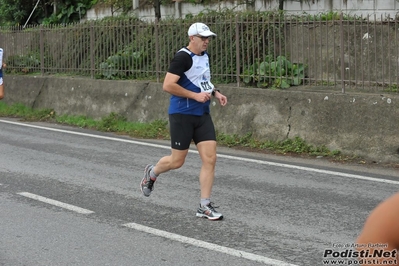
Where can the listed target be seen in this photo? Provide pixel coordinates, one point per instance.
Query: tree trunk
(157, 7)
(281, 5)
(55, 6)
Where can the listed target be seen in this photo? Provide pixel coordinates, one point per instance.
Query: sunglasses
(203, 38)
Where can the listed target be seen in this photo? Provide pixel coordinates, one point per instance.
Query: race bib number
(206, 86)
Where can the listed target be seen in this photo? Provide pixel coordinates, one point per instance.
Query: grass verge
(158, 130)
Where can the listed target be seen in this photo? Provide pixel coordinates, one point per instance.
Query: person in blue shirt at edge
(188, 80)
(2, 66)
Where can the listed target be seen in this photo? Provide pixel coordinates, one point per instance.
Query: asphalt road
(70, 196)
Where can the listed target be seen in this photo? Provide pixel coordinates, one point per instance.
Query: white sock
(205, 202)
(153, 176)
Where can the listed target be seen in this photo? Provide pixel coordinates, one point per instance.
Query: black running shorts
(185, 128)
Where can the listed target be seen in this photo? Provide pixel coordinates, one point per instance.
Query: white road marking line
(309, 169)
(388, 181)
(207, 245)
(55, 203)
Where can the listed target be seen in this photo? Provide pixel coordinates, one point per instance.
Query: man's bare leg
(166, 163)
(171, 162)
(207, 151)
(1, 91)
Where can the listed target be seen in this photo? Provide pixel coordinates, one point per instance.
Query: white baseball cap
(200, 29)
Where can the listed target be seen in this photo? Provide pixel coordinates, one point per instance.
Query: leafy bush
(280, 73)
(24, 63)
(116, 65)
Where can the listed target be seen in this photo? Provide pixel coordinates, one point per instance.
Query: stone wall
(362, 124)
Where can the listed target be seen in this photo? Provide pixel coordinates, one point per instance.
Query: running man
(188, 80)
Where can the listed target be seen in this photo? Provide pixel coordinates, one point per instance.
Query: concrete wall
(362, 124)
(350, 7)
(178, 9)
(369, 52)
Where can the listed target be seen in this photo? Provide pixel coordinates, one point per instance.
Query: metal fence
(266, 50)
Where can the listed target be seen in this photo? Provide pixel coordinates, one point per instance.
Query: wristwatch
(213, 92)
